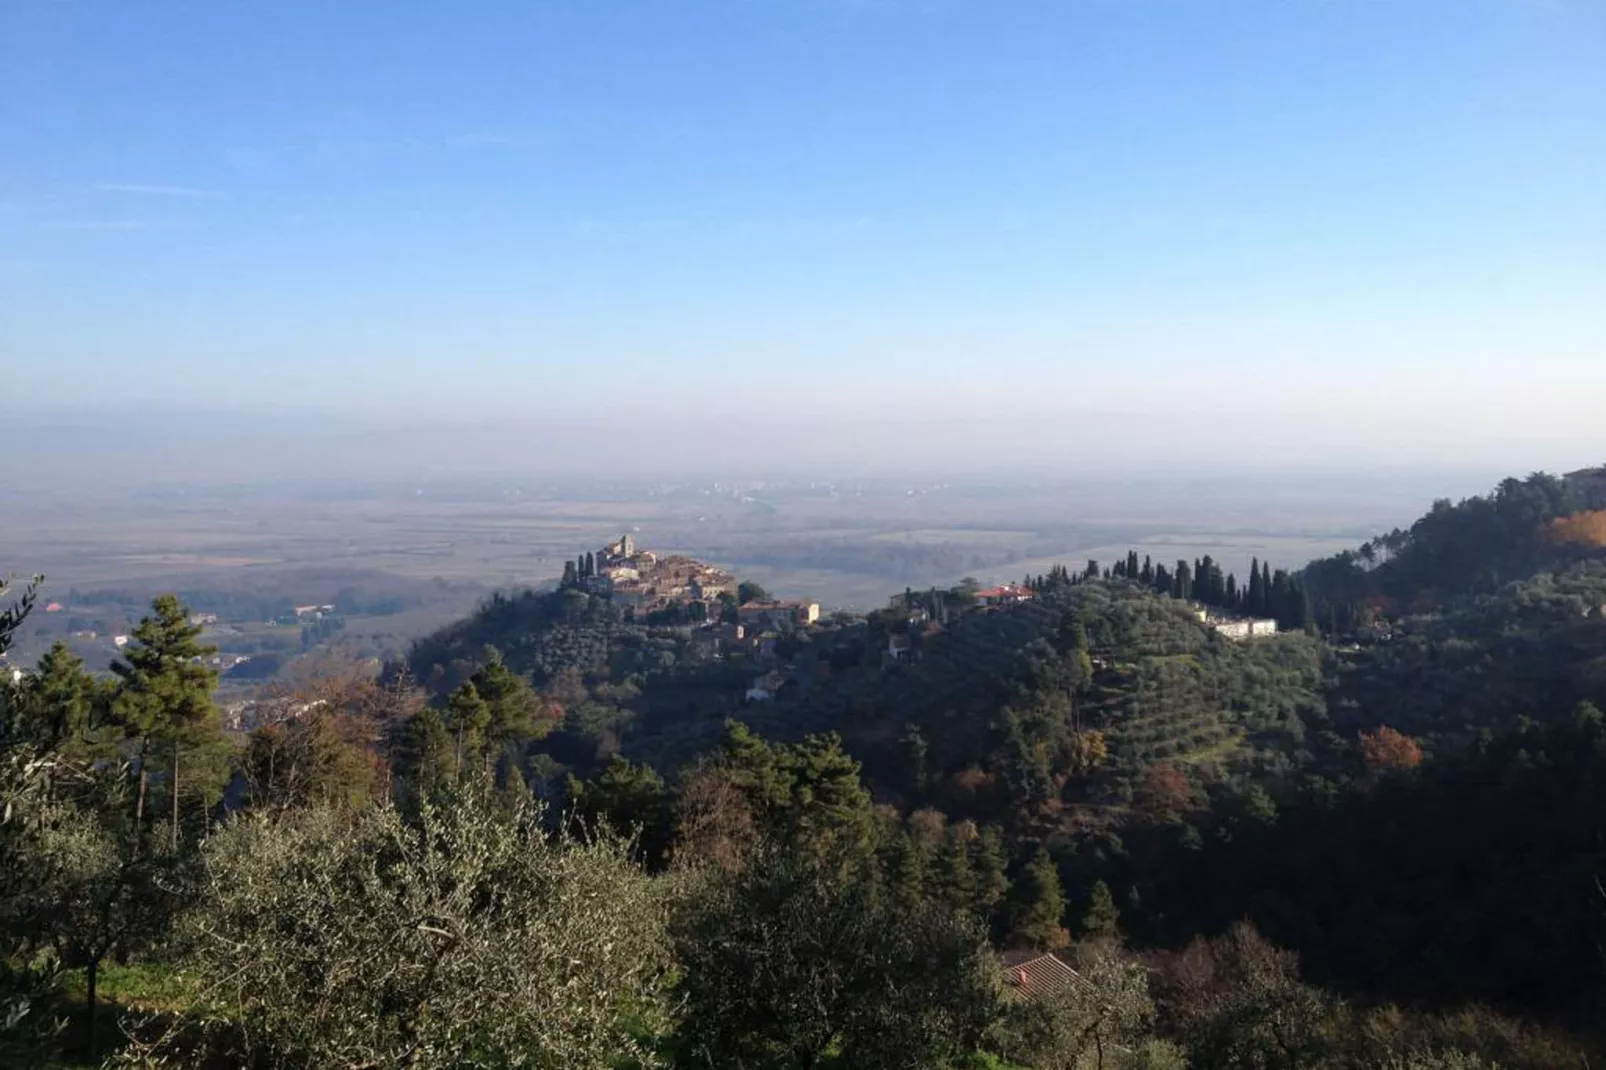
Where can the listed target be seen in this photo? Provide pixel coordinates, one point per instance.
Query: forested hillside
(1475, 546)
(563, 836)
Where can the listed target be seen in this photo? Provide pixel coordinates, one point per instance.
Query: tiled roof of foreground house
(1035, 974)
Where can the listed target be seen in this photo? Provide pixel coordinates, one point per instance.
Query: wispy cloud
(101, 225)
(340, 150)
(141, 190)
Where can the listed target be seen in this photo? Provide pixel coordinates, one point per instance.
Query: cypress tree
(1147, 575)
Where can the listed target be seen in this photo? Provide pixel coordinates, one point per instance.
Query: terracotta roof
(1007, 591)
(1035, 974)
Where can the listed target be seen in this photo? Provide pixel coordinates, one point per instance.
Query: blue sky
(1358, 212)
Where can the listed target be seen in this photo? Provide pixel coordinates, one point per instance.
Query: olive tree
(73, 886)
(463, 936)
(786, 966)
(1097, 1021)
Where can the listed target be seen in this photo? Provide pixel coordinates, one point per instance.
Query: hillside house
(1007, 594)
(1245, 629)
(765, 687)
(632, 594)
(712, 583)
(718, 640)
(1033, 975)
(779, 616)
(901, 647)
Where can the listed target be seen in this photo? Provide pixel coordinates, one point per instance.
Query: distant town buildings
(643, 582)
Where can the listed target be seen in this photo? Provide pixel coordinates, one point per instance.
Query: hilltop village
(726, 618)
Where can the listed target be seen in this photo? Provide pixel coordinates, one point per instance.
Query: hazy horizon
(136, 449)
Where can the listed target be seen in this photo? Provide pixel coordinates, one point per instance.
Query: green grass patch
(142, 986)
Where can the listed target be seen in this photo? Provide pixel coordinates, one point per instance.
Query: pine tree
(1100, 920)
(467, 718)
(952, 879)
(908, 876)
(916, 750)
(828, 816)
(510, 700)
(632, 800)
(59, 705)
(163, 702)
(1038, 906)
(425, 758)
(1092, 571)
(988, 869)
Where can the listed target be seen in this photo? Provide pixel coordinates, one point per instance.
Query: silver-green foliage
(466, 936)
(1099, 1022)
(1448, 1060)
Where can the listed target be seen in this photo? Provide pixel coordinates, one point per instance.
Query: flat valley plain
(424, 553)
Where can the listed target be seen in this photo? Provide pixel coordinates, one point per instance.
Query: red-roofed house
(1005, 595)
(1035, 974)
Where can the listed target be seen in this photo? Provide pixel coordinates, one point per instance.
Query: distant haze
(134, 450)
